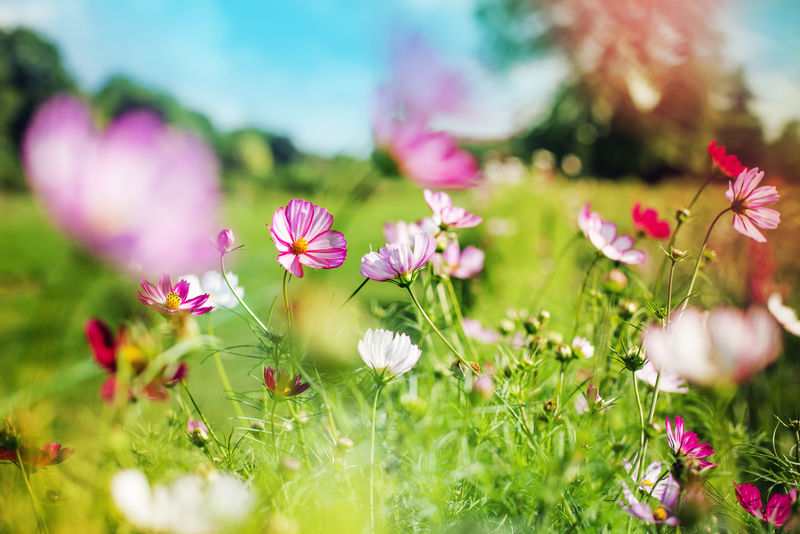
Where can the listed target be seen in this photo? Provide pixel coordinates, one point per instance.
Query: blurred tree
(30, 72)
(785, 152)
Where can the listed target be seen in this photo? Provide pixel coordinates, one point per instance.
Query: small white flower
(219, 294)
(387, 353)
(582, 347)
(670, 382)
(786, 316)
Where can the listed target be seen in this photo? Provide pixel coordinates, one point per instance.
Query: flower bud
(290, 465)
(225, 241)
(627, 308)
(344, 443)
(482, 389)
(615, 281)
(532, 325)
(682, 215)
(564, 353)
(507, 326)
(198, 432)
(633, 360)
(676, 254)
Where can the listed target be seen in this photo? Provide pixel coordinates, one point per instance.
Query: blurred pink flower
(282, 385)
(588, 402)
(475, 330)
(779, 506)
(445, 214)
(198, 431)
(603, 235)
(727, 163)
(666, 492)
(46, 455)
(724, 345)
(302, 234)
(648, 223)
(582, 347)
(748, 204)
(398, 262)
(403, 232)
(171, 299)
(786, 316)
(224, 242)
(141, 195)
(670, 382)
(459, 263)
(653, 482)
(687, 444)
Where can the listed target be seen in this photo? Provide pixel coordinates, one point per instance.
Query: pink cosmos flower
(108, 349)
(686, 443)
(666, 492)
(281, 384)
(779, 506)
(142, 195)
(670, 382)
(727, 163)
(46, 455)
(302, 234)
(648, 223)
(224, 242)
(475, 330)
(198, 431)
(786, 316)
(447, 215)
(460, 264)
(748, 204)
(403, 232)
(398, 263)
(171, 299)
(724, 345)
(603, 235)
(653, 482)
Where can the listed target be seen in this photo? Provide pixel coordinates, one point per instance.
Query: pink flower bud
(225, 241)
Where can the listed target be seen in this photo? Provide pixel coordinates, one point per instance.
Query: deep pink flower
(302, 234)
(447, 215)
(648, 223)
(399, 263)
(686, 443)
(727, 163)
(281, 384)
(748, 201)
(224, 242)
(108, 348)
(779, 506)
(171, 299)
(603, 235)
(459, 263)
(142, 195)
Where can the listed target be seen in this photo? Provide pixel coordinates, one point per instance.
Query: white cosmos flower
(670, 382)
(582, 347)
(190, 505)
(387, 353)
(212, 282)
(783, 314)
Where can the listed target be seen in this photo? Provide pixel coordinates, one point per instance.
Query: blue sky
(308, 68)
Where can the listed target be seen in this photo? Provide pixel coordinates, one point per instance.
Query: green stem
(241, 301)
(34, 503)
(200, 412)
(302, 435)
(372, 462)
(642, 429)
(582, 293)
(459, 316)
(223, 376)
(272, 431)
(354, 293)
(700, 257)
(287, 309)
(438, 333)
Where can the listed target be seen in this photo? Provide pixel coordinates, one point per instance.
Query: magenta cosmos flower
(686, 443)
(447, 215)
(778, 509)
(281, 384)
(140, 194)
(647, 222)
(603, 235)
(399, 263)
(459, 263)
(727, 163)
(171, 299)
(748, 203)
(302, 234)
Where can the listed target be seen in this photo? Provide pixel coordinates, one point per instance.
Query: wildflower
(582, 348)
(655, 482)
(475, 330)
(402, 233)
(171, 299)
(198, 432)
(589, 401)
(190, 505)
(725, 344)
(603, 235)
(448, 216)
(460, 264)
(399, 263)
(686, 443)
(670, 382)
(388, 354)
(108, 349)
(748, 204)
(786, 316)
(213, 284)
(302, 234)
(663, 513)
(727, 163)
(224, 242)
(120, 193)
(778, 509)
(283, 385)
(648, 223)
(482, 389)
(12, 449)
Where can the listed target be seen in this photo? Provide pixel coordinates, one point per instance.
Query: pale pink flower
(778, 509)
(459, 263)
(398, 262)
(403, 232)
(142, 195)
(666, 492)
(582, 347)
(670, 382)
(302, 234)
(786, 316)
(603, 235)
(687, 444)
(475, 330)
(748, 203)
(724, 345)
(588, 401)
(171, 299)
(447, 215)
(654, 482)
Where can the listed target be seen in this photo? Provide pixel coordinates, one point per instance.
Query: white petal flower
(219, 294)
(582, 347)
(387, 353)
(786, 316)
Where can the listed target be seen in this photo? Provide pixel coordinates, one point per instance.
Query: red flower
(281, 384)
(47, 454)
(647, 222)
(727, 163)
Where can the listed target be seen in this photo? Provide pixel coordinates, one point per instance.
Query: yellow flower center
(300, 246)
(173, 301)
(134, 356)
(659, 514)
(647, 483)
